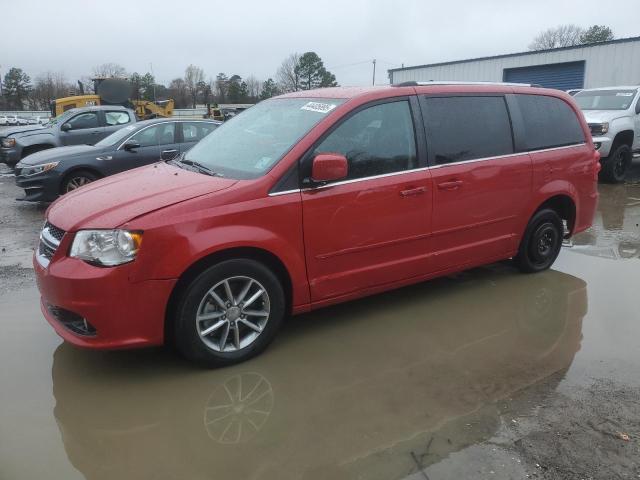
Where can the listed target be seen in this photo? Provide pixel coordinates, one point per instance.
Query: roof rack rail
(413, 83)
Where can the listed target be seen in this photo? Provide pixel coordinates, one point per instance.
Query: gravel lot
(485, 374)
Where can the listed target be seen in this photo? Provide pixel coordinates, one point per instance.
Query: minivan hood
(600, 116)
(110, 202)
(59, 153)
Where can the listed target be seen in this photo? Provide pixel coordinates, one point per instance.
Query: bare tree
(47, 87)
(254, 87)
(178, 91)
(556, 37)
(108, 70)
(193, 79)
(287, 75)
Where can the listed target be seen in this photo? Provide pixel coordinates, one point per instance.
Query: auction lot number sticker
(318, 107)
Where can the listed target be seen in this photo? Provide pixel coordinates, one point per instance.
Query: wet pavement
(485, 374)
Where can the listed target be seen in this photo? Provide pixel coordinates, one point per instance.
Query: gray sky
(253, 37)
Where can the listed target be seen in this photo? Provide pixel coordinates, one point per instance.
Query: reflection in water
(615, 233)
(357, 389)
(238, 409)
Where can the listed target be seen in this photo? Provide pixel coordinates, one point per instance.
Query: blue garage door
(563, 76)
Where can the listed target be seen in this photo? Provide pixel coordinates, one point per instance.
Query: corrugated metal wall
(606, 64)
(563, 76)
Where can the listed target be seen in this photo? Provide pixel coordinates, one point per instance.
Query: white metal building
(616, 62)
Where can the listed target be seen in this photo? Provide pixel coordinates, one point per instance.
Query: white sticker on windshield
(318, 107)
(624, 94)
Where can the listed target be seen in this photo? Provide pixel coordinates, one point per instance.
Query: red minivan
(311, 199)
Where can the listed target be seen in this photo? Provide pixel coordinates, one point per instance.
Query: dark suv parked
(77, 126)
(46, 175)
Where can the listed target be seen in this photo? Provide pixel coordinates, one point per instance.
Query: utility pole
(154, 82)
(374, 72)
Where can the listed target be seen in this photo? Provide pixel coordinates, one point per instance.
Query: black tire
(541, 242)
(187, 336)
(615, 166)
(76, 179)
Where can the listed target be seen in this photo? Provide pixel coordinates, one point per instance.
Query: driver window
(84, 120)
(377, 140)
(161, 134)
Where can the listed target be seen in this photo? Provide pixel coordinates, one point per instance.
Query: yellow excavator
(114, 91)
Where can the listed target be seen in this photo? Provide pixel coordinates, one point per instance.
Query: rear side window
(547, 122)
(116, 118)
(196, 131)
(467, 128)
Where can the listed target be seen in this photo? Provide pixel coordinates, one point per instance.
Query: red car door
(481, 187)
(371, 228)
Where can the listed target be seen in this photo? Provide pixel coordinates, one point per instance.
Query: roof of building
(528, 52)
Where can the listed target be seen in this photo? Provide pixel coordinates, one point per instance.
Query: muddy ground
(484, 374)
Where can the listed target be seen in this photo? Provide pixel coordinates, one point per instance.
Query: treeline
(297, 72)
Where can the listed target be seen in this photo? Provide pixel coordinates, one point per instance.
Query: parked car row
(13, 120)
(303, 201)
(49, 173)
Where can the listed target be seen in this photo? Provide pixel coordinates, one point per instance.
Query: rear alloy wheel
(615, 166)
(229, 313)
(77, 180)
(541, 243)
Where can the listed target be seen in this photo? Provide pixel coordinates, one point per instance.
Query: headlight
(8, 142)
(34, 169)
(599, 128)
(106, 247)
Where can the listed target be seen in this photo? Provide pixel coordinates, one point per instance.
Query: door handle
(413, 191)
(452, 185)
(172, 152)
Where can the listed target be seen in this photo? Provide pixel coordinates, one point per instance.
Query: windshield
(252, 142)
(116, 136)
(61, 118)
(605, 99)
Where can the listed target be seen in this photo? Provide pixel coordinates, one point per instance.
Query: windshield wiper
(198, 166)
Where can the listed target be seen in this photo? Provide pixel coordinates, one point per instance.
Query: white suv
(613, 115)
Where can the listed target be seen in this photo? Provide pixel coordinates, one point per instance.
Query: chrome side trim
(483, 159)
(284, 192)
(374, 177)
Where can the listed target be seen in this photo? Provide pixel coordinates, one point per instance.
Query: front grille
(50, 239)
(72, 321)
(45, 250)
(54, 231)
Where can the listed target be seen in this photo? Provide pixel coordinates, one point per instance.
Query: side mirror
(328, 167)
(638, 107)
(65, 127)
(131, 145)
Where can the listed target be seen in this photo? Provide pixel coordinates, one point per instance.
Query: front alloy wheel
(233, 313)
(229, 313)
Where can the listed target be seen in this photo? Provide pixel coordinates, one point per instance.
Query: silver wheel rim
(233, 314)
(77, 182)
